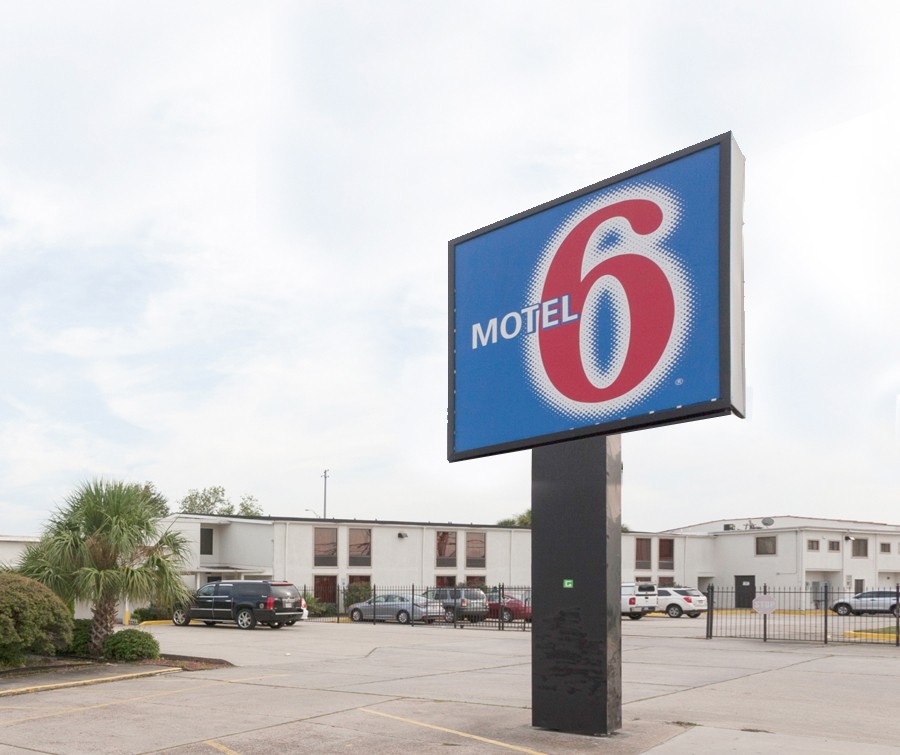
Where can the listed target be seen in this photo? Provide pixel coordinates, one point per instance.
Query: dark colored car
(461, 602)
(244, 602)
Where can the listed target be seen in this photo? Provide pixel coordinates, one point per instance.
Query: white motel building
(323, 555)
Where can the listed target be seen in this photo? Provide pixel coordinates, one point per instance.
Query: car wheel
(895, 610)
(674, 611)
(635, 616)
(507, 616)
(842, 609)
(694, 614)
(355, 615)
(180, 617)
(210, 623)
(403, 617)
(276, 624)
(245, 619)
(449, 614)
(291, 622)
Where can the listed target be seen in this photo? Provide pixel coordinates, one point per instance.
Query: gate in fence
(821, 615)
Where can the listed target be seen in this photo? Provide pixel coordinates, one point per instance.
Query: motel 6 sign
(614, 308)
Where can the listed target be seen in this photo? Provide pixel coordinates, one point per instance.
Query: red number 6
(649, 295)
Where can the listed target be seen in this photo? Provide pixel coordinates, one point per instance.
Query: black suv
(461, 602)
(245, 602)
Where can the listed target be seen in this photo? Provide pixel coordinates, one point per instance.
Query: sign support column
(576, 682)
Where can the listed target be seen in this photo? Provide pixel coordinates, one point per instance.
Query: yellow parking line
(126, 701)
(452, 731)
(220, 747)
(84, 682)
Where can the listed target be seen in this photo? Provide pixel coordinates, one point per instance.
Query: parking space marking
(82, 708)
(220, 747)
(85, 682)
(453, 731)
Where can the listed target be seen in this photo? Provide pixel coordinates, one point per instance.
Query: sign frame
(728, 315)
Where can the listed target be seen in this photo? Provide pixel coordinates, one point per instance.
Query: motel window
(642, 553)
(206, 541)
(445, 549)
(885, 547)
(812, 545)
(765, 545)
(325, 548)
(666, 553)
(860, 547)
(834, 545)
(476, 548)
(666, 582)
(360, 547)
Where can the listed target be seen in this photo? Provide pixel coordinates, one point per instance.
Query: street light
(313, 512)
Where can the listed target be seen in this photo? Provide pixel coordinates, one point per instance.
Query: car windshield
(693, 593)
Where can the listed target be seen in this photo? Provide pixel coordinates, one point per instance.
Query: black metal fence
(498, 607)
(785, 614)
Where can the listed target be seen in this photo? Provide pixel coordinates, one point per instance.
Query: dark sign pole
(576, 570)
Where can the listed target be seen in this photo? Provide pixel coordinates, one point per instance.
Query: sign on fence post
(764, 604)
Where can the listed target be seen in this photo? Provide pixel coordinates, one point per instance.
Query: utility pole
(325, 495)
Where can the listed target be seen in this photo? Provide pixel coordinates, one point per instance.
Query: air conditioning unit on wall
(728, 527)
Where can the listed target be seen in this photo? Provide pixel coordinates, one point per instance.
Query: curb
(86, 682)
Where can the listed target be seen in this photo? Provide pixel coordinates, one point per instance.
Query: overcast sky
(224, 227)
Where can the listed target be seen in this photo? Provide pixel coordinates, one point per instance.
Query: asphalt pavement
(329, 687)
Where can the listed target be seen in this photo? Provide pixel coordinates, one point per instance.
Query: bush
(130, 645)
(81, 638)
(318, 608)
(32, 619)
(357, 593)
(151, 613)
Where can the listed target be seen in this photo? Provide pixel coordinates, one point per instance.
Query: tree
(214, 501)
(104, 546)
(157, 500)
(207, 501)
(522, 520)
(249, 506)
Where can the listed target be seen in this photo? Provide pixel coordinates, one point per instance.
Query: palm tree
(103, 547)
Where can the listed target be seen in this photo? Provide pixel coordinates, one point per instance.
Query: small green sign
(568, 584)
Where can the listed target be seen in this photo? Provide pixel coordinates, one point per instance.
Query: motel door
(744, 591)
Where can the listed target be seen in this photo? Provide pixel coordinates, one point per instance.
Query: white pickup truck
(638, 598)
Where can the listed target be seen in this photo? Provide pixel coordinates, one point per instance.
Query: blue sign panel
(614, 308)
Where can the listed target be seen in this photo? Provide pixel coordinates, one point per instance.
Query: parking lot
(341, 687)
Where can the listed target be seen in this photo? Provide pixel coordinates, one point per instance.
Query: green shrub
(130, 645)
(32, 619)
(317, 608)
(357, 593)
(151, 613)
(81, 638)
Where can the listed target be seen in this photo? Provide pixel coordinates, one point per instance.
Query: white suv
(676, 601)
(871, 601)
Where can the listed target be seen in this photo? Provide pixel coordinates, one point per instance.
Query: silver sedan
(393, 607)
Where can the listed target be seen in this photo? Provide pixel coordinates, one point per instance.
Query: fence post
(765, 617)
(825, 613)
(897, 615)
(710, 604)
